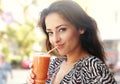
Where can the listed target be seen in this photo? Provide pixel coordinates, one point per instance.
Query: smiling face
(62, 34)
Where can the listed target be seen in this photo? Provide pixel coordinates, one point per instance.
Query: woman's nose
(56, 38)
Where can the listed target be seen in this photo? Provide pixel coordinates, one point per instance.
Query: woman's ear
(81, 31)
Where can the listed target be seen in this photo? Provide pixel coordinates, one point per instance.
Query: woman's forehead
(55, 20)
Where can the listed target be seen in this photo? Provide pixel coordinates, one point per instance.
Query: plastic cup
(40, 67)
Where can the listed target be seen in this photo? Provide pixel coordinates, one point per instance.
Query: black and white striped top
(88, 70)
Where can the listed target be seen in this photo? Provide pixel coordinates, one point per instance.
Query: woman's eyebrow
(48, 29)
(57, 26)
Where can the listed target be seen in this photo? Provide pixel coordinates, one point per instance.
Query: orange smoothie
(40, 67)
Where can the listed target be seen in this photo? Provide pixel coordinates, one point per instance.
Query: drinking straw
(51, 50)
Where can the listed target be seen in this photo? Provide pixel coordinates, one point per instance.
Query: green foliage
(15, 64)
(21, 37)
(5, 50)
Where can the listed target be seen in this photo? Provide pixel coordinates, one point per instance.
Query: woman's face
(62, 34)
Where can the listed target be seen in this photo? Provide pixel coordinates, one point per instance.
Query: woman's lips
(60, 46)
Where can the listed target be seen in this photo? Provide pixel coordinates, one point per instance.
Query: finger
(30, 81)
(30, 65)
(48, 76)
(32, 75)
(30, 78)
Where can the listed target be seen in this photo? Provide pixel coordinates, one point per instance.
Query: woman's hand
(31, 76)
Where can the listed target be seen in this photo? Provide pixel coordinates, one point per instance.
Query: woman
(81, 55)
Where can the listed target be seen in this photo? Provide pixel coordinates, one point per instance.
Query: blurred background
(20, 36)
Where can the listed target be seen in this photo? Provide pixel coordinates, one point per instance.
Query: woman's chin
(62, 53)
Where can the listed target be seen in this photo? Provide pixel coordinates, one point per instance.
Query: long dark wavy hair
(74, 14)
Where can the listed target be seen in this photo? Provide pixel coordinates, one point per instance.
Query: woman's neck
(77, 55)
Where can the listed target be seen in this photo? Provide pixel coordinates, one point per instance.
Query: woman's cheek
(50, 40)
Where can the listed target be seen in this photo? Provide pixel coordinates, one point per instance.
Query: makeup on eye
(49, 33)
(63, 29)
(60, 28)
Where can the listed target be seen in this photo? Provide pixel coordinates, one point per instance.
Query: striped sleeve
(96, 72)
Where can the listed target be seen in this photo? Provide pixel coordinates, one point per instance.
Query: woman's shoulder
(97, 69)
(92, 62)
(92, 59)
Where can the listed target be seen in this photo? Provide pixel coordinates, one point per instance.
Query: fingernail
(32, 76)
(32, 81)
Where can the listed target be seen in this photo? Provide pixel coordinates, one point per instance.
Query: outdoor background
(20, 36)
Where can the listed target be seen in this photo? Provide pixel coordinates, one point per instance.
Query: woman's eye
(62, 29)
(49, 33)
